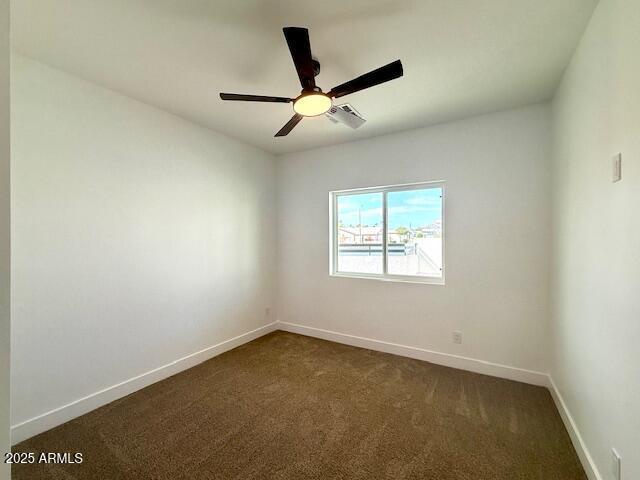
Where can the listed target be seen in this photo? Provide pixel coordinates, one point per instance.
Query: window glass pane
(414, 235)
(359, 233)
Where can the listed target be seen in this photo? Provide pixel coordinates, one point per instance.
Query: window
(389, 233)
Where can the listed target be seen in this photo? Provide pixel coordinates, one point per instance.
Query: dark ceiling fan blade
(254, 98)
(300, 48)
(374, 77)
(289, 126)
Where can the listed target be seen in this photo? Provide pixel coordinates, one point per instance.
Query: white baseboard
(446, 359)
(578, 443)
(60, 415)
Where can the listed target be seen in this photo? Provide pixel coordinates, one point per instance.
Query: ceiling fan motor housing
(316, 66)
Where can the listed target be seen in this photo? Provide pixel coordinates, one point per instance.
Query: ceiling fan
(312, 101)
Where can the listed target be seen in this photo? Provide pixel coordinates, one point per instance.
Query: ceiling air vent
(346, 115)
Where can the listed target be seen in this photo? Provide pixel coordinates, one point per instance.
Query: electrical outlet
(457, 336)
(617, 168)
(616, 465)
(267, 312)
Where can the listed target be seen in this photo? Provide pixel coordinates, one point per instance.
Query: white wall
(497, 239)
(5, 259)
(596, 277)
(138, 238)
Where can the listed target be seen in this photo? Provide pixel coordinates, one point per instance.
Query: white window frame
(385, 276)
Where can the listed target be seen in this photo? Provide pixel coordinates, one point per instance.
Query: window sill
(391, 278)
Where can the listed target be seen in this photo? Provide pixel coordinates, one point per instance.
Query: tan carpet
(287, 406)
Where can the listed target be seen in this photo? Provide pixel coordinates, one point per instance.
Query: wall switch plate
(457, 336)
(616, 465)
(617, 168)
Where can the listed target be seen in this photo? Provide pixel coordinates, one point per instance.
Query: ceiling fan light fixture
(312, 104)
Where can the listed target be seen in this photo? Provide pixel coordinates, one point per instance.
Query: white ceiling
(460, 57)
